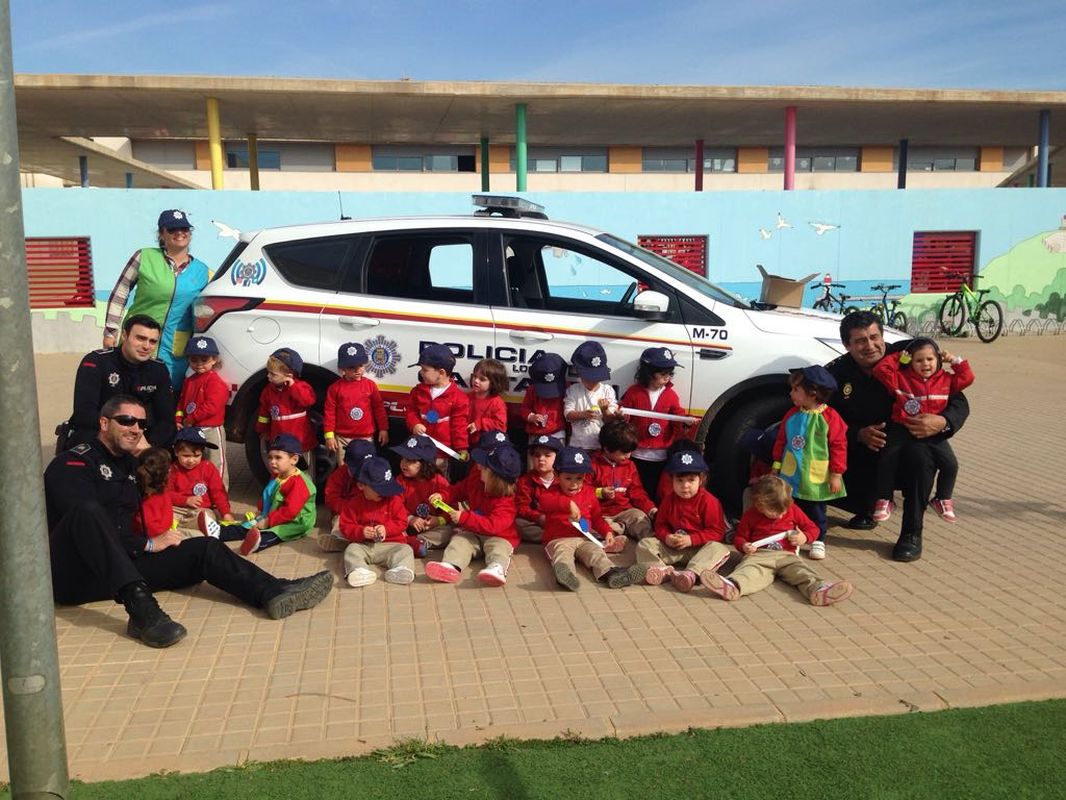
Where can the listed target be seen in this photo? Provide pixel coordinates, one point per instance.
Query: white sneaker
(817, 551)
(361, 576)
(493, 575)
(401, 575)
(208, 526)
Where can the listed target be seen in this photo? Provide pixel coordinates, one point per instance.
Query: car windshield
(687, 277)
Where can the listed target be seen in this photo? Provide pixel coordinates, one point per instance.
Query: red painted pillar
(790, 148)
(699, 165)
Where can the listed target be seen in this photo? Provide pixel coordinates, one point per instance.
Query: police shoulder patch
(80, 449)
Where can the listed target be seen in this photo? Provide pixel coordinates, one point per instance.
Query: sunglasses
(128, 421)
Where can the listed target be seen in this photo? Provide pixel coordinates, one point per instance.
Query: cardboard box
(780, 291)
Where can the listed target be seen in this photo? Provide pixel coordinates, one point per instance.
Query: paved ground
(979, 620)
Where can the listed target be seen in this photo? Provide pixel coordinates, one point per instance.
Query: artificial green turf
(1010, 751)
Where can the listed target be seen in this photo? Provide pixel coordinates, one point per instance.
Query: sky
(980, 44)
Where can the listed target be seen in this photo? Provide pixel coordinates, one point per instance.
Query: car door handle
(707, 354)
(532, 336)
(358, 322)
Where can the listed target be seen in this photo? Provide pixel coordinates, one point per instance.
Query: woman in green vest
(167, 279)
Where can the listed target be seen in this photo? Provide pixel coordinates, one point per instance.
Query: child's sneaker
(361, 576)
(400, 575)
(817, 551)
(657, 573)
(422, 548)
(617, 545)
(616, 577)
(683, 580)
(442, 572)
(209, 527)
(945, 508)
(825, 593)
(493, 575)
(719, 585)
(883, 510)
(565, 576)
(251, 541)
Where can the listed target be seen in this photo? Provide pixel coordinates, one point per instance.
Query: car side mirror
(651, 305)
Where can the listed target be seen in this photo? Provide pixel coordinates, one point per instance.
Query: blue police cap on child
(194, 435)
(818, 375)
(553, 443)
(490, 440)
(376, 473)
(355, 451)
(504, 461)
(351, 354)
(686, 463)
(548, 374)
(659, 358)
(290, 358)
(435, 355)
(201, 346)
(590, 361)
(286, 443)
(573, 460)
(416, 448)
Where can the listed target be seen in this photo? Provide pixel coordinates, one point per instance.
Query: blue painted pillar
(520, 146)
(699, 165)
(1041, 157)
(901, 167)
(83, 168)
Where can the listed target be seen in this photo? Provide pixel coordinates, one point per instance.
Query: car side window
(438, 268)
(312, 263)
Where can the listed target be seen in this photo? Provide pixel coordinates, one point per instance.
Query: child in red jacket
(542, 405)
(156, 515)
(284, 404)
(920, 385)
(485, 523)
(203, 400)
(529, 518)
(571, 507)
(438, 408)
(769, 535)
(373, 521)
(488, 411)
(625, 504)
(340, 488)
(421, 479)
(689, 529)
(195, 488)
(353, 408)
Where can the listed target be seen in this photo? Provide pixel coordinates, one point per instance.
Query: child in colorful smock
(589, 400)
(195, 487)
(285, 402)
(340, 488)
(542, 405)
(625, 504)
(353, 408)
(484, 524)
(156, 515)
(438, 407)
(203, 400)
(488, 411)
(811, 449)
(769, 535)
(654, 391)
(920, 384)
(373, 521)
(529, 518)
(420, 480)
(571, 507)
(286, 511)
(689, 529)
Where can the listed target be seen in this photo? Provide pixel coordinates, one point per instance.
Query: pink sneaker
(945, 508)
(683, 580)
(442, 571)
(723, 587)
(657, 573)
(617, 545)
(883, 510)
(825, 594)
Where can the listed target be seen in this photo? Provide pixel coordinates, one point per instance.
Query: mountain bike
(888, 313)
(967, 305)
(828, 299)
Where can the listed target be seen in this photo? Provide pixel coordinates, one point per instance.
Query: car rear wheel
(729, 461)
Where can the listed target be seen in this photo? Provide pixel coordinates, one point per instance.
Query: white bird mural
(765, 234)
(822, 227)
(225, 230)
(782, 222)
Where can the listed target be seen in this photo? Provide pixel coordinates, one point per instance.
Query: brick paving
(978, 620)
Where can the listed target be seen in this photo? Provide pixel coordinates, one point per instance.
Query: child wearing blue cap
(811, 449)
(421, 479)
(373, 522)
(195, 487)
(438, 407)
(539, 478)
(340, 488)
(591, 399)
(285, 402)
(203, 400)
(542, 404)
(353, 408)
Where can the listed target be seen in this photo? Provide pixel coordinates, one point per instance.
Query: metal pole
(520, 146)
(214, 142)
(790, 148)
(901, 168)
(1041, 158)
(484, 163)
(129, 180)
(33, 708)
(83, 171)
(699, 165)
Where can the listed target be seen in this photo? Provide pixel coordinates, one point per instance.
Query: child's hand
(471, 428)
(193, 501)
(379, 533)
(679, 540)
(835, 483)
(607, 492)
(749, 548)
(946, 356)
(454, 516)
(169, 539)
(178, 425)
(652, 512)
(369, 532)
(691, 421)
(332, 444)
(383, 438)
(288, 380)
(419, 429)
(434, 498)
(797, 538)
(575, 512)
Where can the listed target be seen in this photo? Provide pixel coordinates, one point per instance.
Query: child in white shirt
(589, 400)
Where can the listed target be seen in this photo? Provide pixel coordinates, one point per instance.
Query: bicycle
(968, 305)
(889, 315)
(828, 299)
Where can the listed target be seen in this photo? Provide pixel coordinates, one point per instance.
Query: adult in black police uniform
(866, 406)
(92, 498)
(129, 369)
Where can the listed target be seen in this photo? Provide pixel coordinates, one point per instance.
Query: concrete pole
(901, 167)
(253, 161)
(33, 708)
(520, 146)
(484, 163)
(83, 171)
(699, 165)
(790, 148)
(214, 142)
(1041, 156)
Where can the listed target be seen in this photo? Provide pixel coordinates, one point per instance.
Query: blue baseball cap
(573, 460)
(590, 362)
(417, 448)
(818, 375)
(435, 355)
(287, 443)
(659, 358)
(686, 462)
(290, 358)
(173, 219)
(351, 354)
(376, 473)
(355, 452)
(201, 346)
(553, 443)
(490, 440)
(548, 374)
(194, 435)
(503, 460)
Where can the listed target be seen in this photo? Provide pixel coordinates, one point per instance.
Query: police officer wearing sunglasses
(92, 500)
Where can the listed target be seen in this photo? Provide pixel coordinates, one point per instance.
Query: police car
(505, 283)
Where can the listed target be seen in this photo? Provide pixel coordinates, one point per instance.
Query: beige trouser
(757, 571)
(566, 551)
(218, 457)
(387, 554)
(438, 536)
(528, 531)
(466, 546)
(186, 517)
(633, 522)
(711, 555)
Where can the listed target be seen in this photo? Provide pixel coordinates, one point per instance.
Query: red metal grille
(942, 260)
(688, 251)
(60, 272)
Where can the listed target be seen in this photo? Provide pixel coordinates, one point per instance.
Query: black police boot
(298, 595)
(908, 548)
(861, 522)
(148, 622)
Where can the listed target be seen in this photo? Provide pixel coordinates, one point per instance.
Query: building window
(422, 159)
(942, 159)
(237, 157)
(683, 159)
(816, 159)
(559, 159)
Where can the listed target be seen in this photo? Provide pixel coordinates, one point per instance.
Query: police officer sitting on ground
(866, 406)
(91, 500)
(129, 369)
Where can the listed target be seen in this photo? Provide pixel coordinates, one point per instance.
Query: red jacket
(555, 506)
(203, 401)
(340, 487)
(450, 409)
(608, 474)
(354, 409)
(754, 525)
(527, 493)
(158, 516)
(916, 395)
(485, 515)
(203, 481)
(488, 413)
(294, 496)
(283, 409)
(416, 494)
(654, 434)
(359, 512)
(699, 517)
(552, 408)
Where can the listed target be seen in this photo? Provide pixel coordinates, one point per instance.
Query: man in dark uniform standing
(128, 369)
(91, 500)
(866, 406)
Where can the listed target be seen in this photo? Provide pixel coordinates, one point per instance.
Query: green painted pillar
(520, 146)
(484, 163)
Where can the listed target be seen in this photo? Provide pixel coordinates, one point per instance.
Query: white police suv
(504, 283)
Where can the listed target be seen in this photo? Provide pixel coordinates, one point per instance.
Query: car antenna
(340, 202)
